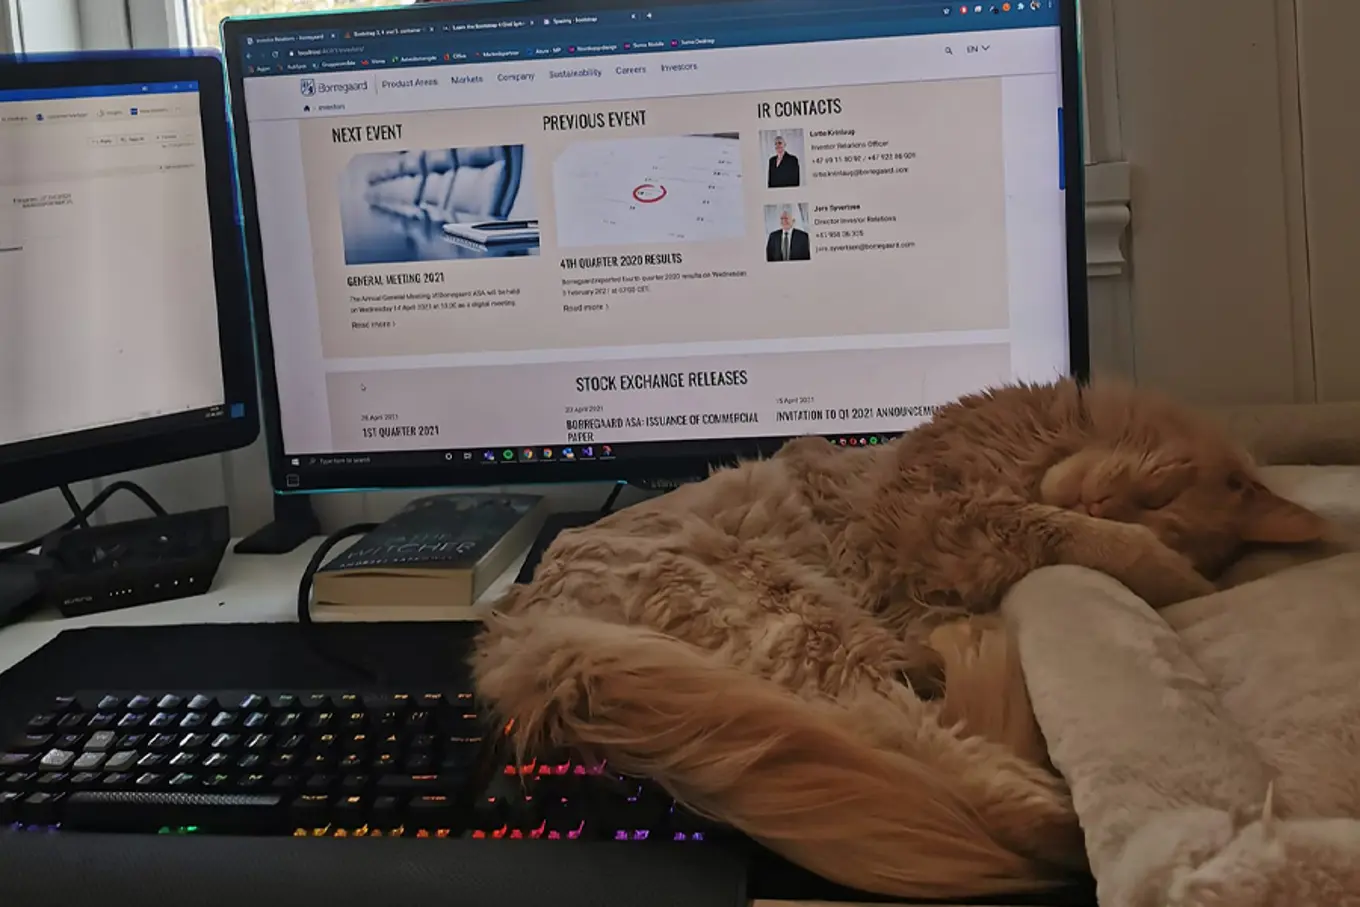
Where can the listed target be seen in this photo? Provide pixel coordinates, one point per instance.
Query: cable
(69, 497)
(83, 514)
(608, 506)
(304, 604)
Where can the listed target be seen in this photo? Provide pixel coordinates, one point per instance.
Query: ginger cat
(761, 643)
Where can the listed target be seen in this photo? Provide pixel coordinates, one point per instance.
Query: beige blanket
(1213, 749)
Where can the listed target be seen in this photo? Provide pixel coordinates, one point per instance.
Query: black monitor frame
(43, 463)
(693, 459)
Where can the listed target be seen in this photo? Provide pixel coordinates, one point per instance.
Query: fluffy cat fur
(799, 645)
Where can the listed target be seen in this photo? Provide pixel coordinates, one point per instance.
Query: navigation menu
(910, 59)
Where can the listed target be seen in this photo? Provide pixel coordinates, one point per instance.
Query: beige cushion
(1213, 749)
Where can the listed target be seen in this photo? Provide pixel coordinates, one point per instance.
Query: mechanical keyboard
(348, 764)
(422, 764)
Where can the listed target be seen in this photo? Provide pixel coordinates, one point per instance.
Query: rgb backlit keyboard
(312, 764)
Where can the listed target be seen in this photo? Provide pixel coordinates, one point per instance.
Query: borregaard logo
(307, 87)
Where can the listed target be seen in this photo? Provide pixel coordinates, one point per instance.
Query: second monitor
(561, 240)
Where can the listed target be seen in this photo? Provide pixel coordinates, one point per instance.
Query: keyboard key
(30, 742)
(193, 720)
(202, 703)
(169, 701)
(110, 704)
(121, 761)
(353, 784)
(100, 741)
(163, 719)
(41, 722)
(433, 784)
(89, 761)
(150, 810)
(139, 703)
(39, 808)
(102, 721)
(56, 760)
(251, 702)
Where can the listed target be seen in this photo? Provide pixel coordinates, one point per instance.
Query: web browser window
(109, 307)
(745, 220)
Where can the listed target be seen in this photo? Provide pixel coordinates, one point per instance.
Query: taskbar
(303, 472)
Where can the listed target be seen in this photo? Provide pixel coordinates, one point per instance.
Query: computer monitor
(125, 336)
(557, 240)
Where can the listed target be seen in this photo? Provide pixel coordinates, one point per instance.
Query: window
(203, 16)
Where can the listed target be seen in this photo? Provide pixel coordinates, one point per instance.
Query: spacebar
(149, 811)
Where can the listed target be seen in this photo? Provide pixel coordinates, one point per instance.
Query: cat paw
(1135, 556)
(1163, 577)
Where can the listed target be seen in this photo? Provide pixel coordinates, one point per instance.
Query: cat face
(1205, 504)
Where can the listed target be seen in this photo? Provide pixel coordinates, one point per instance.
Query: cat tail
(873, 791)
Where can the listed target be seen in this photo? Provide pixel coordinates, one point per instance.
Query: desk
(248, 589)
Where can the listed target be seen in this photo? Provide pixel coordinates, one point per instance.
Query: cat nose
(1098, 508)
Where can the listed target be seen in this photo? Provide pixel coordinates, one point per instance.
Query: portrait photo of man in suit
(787, 242)
(783, 148)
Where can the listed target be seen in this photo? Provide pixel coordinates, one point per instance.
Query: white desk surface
(249, 588)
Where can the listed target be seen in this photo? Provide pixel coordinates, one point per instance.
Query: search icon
(949, 50)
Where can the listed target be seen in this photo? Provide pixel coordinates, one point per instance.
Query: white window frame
(9, 33)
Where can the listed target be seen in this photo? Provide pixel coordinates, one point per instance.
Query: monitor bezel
(44, 463)
(686, 464)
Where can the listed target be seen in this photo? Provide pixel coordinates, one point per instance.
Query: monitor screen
(109, 313)
(506, 237)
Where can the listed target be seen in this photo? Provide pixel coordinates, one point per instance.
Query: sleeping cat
(761, 642)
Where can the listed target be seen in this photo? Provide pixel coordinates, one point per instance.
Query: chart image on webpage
(662, 189)
(437, 204)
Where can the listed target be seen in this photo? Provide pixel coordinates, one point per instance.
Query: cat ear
(1270, 519)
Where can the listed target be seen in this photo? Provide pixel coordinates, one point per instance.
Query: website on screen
(108, 313)
(759, 241)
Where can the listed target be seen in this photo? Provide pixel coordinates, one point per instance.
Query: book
(430, 561)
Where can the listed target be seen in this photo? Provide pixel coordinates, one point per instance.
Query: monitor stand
(294, 522)
(557, 522)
